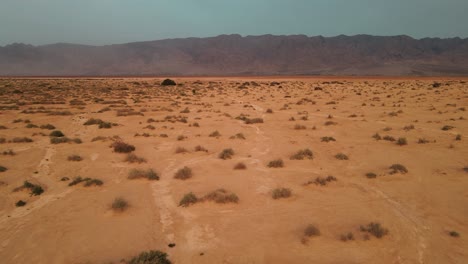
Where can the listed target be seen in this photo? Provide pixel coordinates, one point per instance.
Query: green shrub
(188, 199)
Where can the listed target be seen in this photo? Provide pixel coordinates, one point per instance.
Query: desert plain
(234, 170)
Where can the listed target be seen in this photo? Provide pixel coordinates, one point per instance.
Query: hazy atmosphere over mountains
(251, 55)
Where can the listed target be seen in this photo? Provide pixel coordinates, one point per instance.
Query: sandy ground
(76, 224)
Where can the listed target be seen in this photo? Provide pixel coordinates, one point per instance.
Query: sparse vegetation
(311, 231)
(75, 158)
(240, 166)
(119, 204)
(226, 154)
(278, 163)
(375, 229)
(147, 174)
(398, 168)
(303, 154)
(188, 200)
(150, 257)
(341, 156)
(122, 147)
(279, 193)
(132, 158)
(183, 173)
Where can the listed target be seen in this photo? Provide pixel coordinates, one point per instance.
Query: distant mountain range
(237, 55)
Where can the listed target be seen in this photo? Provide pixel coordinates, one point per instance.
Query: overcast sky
(99, 22)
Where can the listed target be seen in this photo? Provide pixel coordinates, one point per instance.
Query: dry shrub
(183, 174)
(279, 193)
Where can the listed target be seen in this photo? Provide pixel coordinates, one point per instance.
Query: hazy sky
(100, 22)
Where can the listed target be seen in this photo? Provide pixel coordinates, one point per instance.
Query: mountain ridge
(244, 55)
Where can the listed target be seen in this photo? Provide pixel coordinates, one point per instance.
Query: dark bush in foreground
(150, 257)
(138, 174)
(221, 196)
(56, 133)
(183, 174)
(375, 229)
(119, 204)
(253, 120)
(346, 237)
(303, 154)
(278, 163)
(322, 181)
(226, 154)
(188, 199)
(311, 231)
(341, 156)
(401, 142)
(328, 139)
(395, 168)
(3, 169)
(122, 147)
(168, 82)
(88, 181)
(132, 158)
(75, 158)
(281, 193)
(240, 166)
(20, 203)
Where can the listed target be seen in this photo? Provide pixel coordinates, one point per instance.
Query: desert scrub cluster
(322, 181)
(183, 173)
(149, 174)
(226, 154)
(375, 229)
(99, 122)
(328, 139)
(34, 189)
(303, 154)
(119, 204)
(341, 156)
(218, 196)
(150, 257)
(132, 158)
(74, 158)
(87, 182)
(240, 166)
(122, 147)
(279, 193)
(398, 168)
(277, 163)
